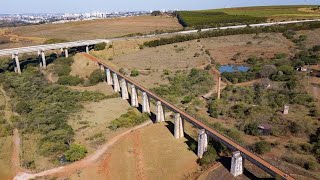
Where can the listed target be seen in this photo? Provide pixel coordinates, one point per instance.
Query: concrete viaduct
(42, 48)
(121, 83)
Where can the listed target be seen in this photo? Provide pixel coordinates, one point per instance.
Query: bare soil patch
(82, 67)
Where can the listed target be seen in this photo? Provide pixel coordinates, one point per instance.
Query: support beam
(109, 78)
(87, 49)
(39, 59)
(219, 87)
(178, 126)
(202, 142)
(18, 69)
(159, 112)
(66, 52)
(134, 96)
(44, 63)
(101, 67)
(236, 164)
(145, 103)
(124, 89)
(116, 85)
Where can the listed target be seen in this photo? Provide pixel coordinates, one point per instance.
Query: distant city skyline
(63, 6)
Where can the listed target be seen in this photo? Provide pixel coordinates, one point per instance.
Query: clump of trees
(134, 73)
(100, 46)
(54, 41)
(96, 77)
(262, 147)
(76, 152)
(130, 119)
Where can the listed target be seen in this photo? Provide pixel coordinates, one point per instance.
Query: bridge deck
(269, 168)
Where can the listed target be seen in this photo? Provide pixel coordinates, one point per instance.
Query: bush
(187, 99)
(96, 77)
(100, 46)
(134, 73)
(262, 147)
(54, 41)
(62, 66)
(75, 152)
(213, 109)
(209, 156)
(70, 80)
(252, 129)
(130, 119)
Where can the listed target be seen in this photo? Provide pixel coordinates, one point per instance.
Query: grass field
(219, 17)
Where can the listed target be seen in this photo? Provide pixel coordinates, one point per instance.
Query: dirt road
(82, 163)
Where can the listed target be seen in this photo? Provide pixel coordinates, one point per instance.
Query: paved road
(255, 159)
(9, 52)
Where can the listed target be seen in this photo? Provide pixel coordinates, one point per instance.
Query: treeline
(226, 32)
(200, 19)
(44, 108)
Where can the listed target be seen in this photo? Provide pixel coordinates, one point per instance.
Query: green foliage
(62, 66)
(209, 156)
(5, 127)
(54, 41)
(289, 34)
(307, 163)
(76, 152)
(315, 141)
(130, 119)
(213, 109)
(45, 108)
(187, 99)
(201, 19)
(70, 80)
(262, 147)
(251, 129)
(134, 73)
(96, 77)
(100, 46)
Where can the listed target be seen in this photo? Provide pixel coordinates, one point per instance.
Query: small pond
(233, 68)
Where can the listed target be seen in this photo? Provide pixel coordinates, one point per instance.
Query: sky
(62, 6)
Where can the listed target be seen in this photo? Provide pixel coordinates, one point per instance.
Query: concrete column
(101, 67)
(219, 87)
(286, 109)
(61, 52)
(116, 85)
(87, 49)
(39, 58)
(178, 126)
(44, 63)
(159, 112)
(134, 96)
(236, 164)
(16, 57)
(145, 103)
(66, 52)
(109, 78)
(124, 89)
(202, 142)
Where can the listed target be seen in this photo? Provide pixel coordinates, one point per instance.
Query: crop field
(231, 16)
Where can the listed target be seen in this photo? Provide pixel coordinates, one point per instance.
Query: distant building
(264, 129)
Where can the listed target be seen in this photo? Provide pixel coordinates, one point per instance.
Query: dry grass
(35, 34)
(5, 158)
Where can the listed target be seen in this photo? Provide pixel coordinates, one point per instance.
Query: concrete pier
(39, 59)
(16, 58)
(116, 85)
(124, 89)
(87, 49)
(43, 57)
(145, 103)
(219, 87)
(159, 112)
(286, 109)
(236, 164)
(202, 142)
(101, 67)
(134, 97)
(109, 78)
(178, 126)
(66, 52)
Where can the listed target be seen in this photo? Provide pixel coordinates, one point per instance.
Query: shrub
(262, 147)
(130, 119)
(75, 152)
(70, 80)
(213, 109)
(54, 41)
(96, 77)
(134, 73)
(252, 129)
(62, 66)
(209, 156)
(187, 99)
(100, 46)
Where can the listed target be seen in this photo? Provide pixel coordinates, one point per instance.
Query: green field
(246, 15)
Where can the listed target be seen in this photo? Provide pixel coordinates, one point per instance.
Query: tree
(100, 46)
(96, 77)
(134, 73)
(75, 152)
(252, 129)
(262, 147)
(209, 156)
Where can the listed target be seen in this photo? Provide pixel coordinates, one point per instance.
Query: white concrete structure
(87, 49)
(43, 57)
(219, 87)
(124, 89)
(236, 164)
(66, 53)
(202, 142)
(134, 97)
(145, 103)
(101, 67)
(178, 126)
(159, 112)
(286, 109)
(116, 85)
(109, 78)
(16, 58)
